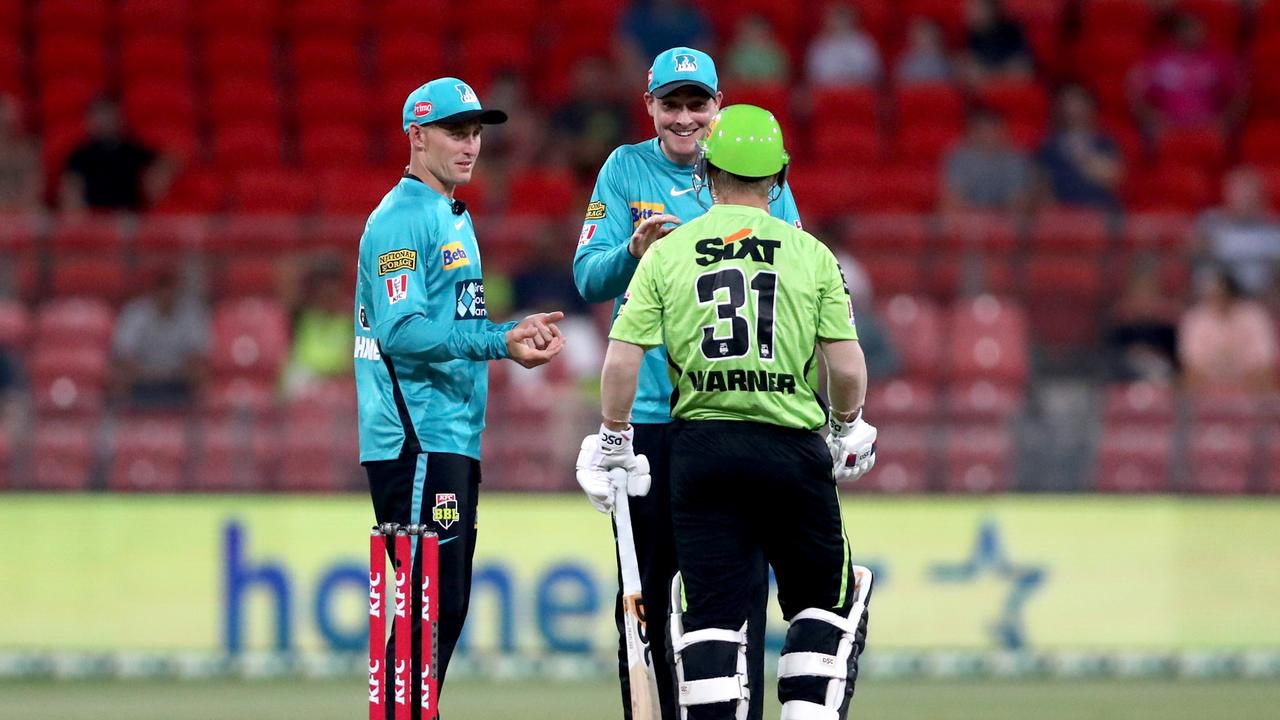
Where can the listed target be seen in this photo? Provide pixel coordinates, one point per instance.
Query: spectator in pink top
(1226, 342)
(1186, 82)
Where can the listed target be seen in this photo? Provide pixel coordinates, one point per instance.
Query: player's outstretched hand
(650, 231)
(544, 328)
(853, 448)
(522, 346)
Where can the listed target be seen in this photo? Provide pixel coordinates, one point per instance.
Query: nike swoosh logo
(458, 225)
(675, 193)
(448, 540)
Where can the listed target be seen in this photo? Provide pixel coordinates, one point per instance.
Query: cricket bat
(644, 685)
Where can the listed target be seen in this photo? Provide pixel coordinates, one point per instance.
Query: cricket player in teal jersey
(744, 304)
(423, 339)
(642, 191)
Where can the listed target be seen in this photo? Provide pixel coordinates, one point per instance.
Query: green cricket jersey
(740, 300)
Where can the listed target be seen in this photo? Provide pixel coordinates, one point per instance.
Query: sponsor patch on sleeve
(588, 232)
(402, 259)
(596, 210)
(799, 226)
(397, 288)
(641, 211)
(454, 256)
(470, 294)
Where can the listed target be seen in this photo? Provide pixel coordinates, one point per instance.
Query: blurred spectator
(592, 121)
(995, 45)
(111, 171)
(842, 53)
(545, 279)
(1187, 83)
(985, 171)
(925, 59)
(1226, 342)
(755, 55)
(322, 330)
(1078, 164)
(882, 357)
(1243, 234)
(21, 175)
(160, 345)
(1142, 338)
(648, 27)
(516, 144)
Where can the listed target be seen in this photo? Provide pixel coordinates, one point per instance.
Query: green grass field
(480, 700)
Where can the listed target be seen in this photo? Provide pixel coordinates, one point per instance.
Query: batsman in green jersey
(744, 303)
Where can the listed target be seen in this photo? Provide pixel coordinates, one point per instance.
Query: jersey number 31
(764, 285)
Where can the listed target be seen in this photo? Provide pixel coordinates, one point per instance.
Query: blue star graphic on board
(989, 558)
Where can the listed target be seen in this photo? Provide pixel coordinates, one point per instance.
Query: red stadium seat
(847, 106)
(1109, 16)
(904, 188)
(68, 381)
(1064, 298)
(1221, 20)
(155, 54)
(430, 18)
(1220, 458)
(902, 400)
(354, 190)
(15, 325)
(193, 192)
(947, 13)
(148, 454)
(167, 237)
(891, 274)
(178, 140)
(333, 100)
(6, 460)
(275, 191)
(70, 53)
(243, 100)
(250, 144)
(547, 192)
(249, 338)
(318, 457)
(1139, 403)
(1261, 142)
(939, 105)
(980, 231)
(250, 235)
(969, 273)
(1061, 230)
(1134, 458)
(330, 19)
(857, 145)
(1170, 188)
(320, 143)
(238, 54)
(238, 16)
(983, 400)
(100, 234)
(926, 144)
(62, 454)
(322, 59)
(1016, 101)
(100, 277)
(235, 455)
(979, 459)
(75, 321)
(827, 190)
(1192, 147)
(248, 277)
(496, 17)
(774, 98)
(905, 234)
(915, 326)
(240, 397)
(485, 55)
(12, 58)
(1163, 232)
(988, 340)
(87, 16)
(159, 102)
(405, 50)
(171, 16)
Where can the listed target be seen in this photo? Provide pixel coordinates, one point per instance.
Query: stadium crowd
(1056, 215)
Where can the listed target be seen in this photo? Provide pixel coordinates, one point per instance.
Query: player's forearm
(618, 383)
(414, 336)
(846, 375)
(602, 273)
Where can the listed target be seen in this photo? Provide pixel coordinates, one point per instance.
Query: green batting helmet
(745, 140)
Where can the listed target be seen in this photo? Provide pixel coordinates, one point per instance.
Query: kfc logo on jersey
(422, 108)
(397, 288)
(588, 232)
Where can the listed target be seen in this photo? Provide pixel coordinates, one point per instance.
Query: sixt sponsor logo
(736, 247)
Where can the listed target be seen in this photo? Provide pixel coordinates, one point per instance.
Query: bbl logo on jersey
(397, 288)
(454, 256)
(445, 513)
(470, 294)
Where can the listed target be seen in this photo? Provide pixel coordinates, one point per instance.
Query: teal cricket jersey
(636, 182)
(423, 335)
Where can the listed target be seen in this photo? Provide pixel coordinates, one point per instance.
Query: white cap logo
(468, 95)
(686, 63)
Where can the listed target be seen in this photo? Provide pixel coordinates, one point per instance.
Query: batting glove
(853, 448)
(603, 452)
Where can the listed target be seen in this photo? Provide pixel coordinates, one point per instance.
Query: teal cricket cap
(680, 66)
(447, 100)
